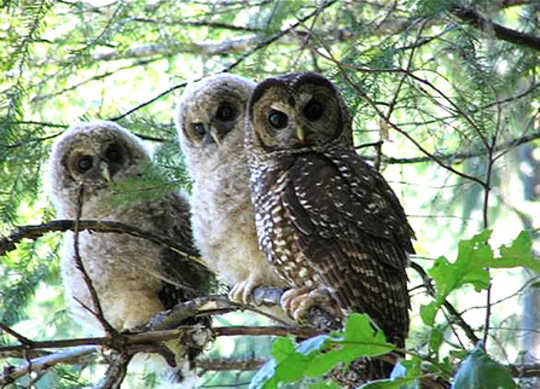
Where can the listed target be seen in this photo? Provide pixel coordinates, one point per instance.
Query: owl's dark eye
(225, 113)
(113, 153)
(277, 119)
(199, 129)
(313, 110)
(84, 163)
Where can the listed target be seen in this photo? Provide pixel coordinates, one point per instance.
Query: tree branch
(75, 355)
(476, 20)
(450, 157)
(95, 309)
(122, 342)
(127, 344)
(36, 231)
(116, 372)
(221, 364)
(16, 335)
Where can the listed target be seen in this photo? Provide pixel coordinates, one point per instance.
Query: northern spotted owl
(327, 221)
(210, 124)
(133, 277)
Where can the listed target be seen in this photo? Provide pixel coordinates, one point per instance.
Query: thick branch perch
(124, 341)
(84, 349)
(220, 364)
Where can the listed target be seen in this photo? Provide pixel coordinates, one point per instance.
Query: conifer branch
(451, 157)
(264, 43)
(473, 18)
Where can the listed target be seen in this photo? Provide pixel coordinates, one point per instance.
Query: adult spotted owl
(134, 278)
(328, 222)
(210, 123)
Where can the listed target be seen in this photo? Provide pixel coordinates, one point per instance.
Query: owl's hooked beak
(105, 172)
(214, 135)
(300, 135)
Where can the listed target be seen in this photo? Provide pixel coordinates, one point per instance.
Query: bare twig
(451, 157)
(126, 340)
(75, 355)
(520, 290)
(96, 309)
(15, 334)
(36, 231)
(485, 209)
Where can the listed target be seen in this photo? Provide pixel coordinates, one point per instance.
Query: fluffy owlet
(328, 222)
(134, 278)
(210, 124)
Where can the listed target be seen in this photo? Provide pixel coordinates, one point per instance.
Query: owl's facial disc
(100, 168)
(216, 127)
(296, 111)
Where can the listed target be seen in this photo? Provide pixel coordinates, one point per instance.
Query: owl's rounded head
(210, 115)
(93, 154)
(296, 111)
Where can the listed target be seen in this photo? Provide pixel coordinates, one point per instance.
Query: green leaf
(359, 339)
(519, 253)
(428, 312)
(316, 356)
(479, 371)
(284, 352)
(436, 339)
(474, 257)
(281, 348)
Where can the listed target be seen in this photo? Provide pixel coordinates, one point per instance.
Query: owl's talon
(241, 291)
(297, 302)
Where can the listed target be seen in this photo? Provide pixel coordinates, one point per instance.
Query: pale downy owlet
(326, 220)
(210, 122)
(133, 277)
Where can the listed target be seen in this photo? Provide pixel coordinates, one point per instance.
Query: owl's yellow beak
(214, 136)
(300, 134)
(105, 172)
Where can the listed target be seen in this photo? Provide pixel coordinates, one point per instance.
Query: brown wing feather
(347, 224)
(182, 277)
